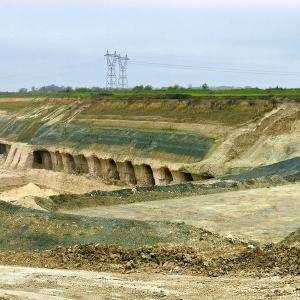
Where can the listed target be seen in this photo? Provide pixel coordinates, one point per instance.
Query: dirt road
(264, 214)
(32, 283)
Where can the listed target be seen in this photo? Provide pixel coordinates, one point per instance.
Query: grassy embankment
(161, 92)
(228, 107)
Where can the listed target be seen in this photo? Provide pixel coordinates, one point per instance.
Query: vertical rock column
(19, 157)
(109, 170)
(26, 161)
(126, 172)
(57, 162)
(180, 177)
(162, 176)
(10, 156)
(47, 161)
(94, 166)
(68, 162)
(16, 158)
(144, 175)
(81, 164)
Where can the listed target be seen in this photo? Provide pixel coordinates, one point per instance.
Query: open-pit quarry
(127, 198)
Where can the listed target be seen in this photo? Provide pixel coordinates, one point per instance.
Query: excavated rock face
(279, 123)
(110, 170)
(274, 138)
(111, 140)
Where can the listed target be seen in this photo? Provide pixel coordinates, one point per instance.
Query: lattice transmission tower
(111, 77)
(123, 79)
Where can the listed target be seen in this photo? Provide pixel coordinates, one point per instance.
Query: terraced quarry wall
(147, 141)
(22, 157)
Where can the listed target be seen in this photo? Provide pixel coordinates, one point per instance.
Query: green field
(177, 93)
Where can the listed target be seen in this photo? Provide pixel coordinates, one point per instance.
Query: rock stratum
(148, 142)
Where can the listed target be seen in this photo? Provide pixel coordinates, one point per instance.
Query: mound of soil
(100, 257)
(246, 261)
(292, 240)
(24, 196)
(276, 260)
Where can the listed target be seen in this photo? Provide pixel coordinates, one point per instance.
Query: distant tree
(175, 87)
(148, 87)
(23, 91)
(51, 89)
(278, 88)
(68, 89)
(205, 86)
(33, 89)
(82, 89)
(138, 88)
(96, 89)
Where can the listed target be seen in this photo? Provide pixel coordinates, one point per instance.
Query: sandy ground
(20, 187)
(40, 284)
(56, 181)
(11, 179)
(264, 214)
(25, 195)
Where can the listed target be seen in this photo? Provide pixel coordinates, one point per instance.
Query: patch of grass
(203, 92)
(24, 229)
(173, 93)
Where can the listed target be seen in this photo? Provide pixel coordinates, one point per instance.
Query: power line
(214, 69)
(111, 77)
(154, 56)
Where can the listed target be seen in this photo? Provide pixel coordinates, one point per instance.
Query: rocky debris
(269, 261)
(161, 257)
(101, 257)
(273, 260)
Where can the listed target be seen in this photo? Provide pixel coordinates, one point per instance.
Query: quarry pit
(204, 186)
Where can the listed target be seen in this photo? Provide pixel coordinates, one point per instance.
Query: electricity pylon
(111, 77)
(123, 79)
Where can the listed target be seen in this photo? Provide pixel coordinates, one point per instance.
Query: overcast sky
(219, 42)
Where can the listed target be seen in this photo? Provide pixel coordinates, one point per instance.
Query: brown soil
(248, 261)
